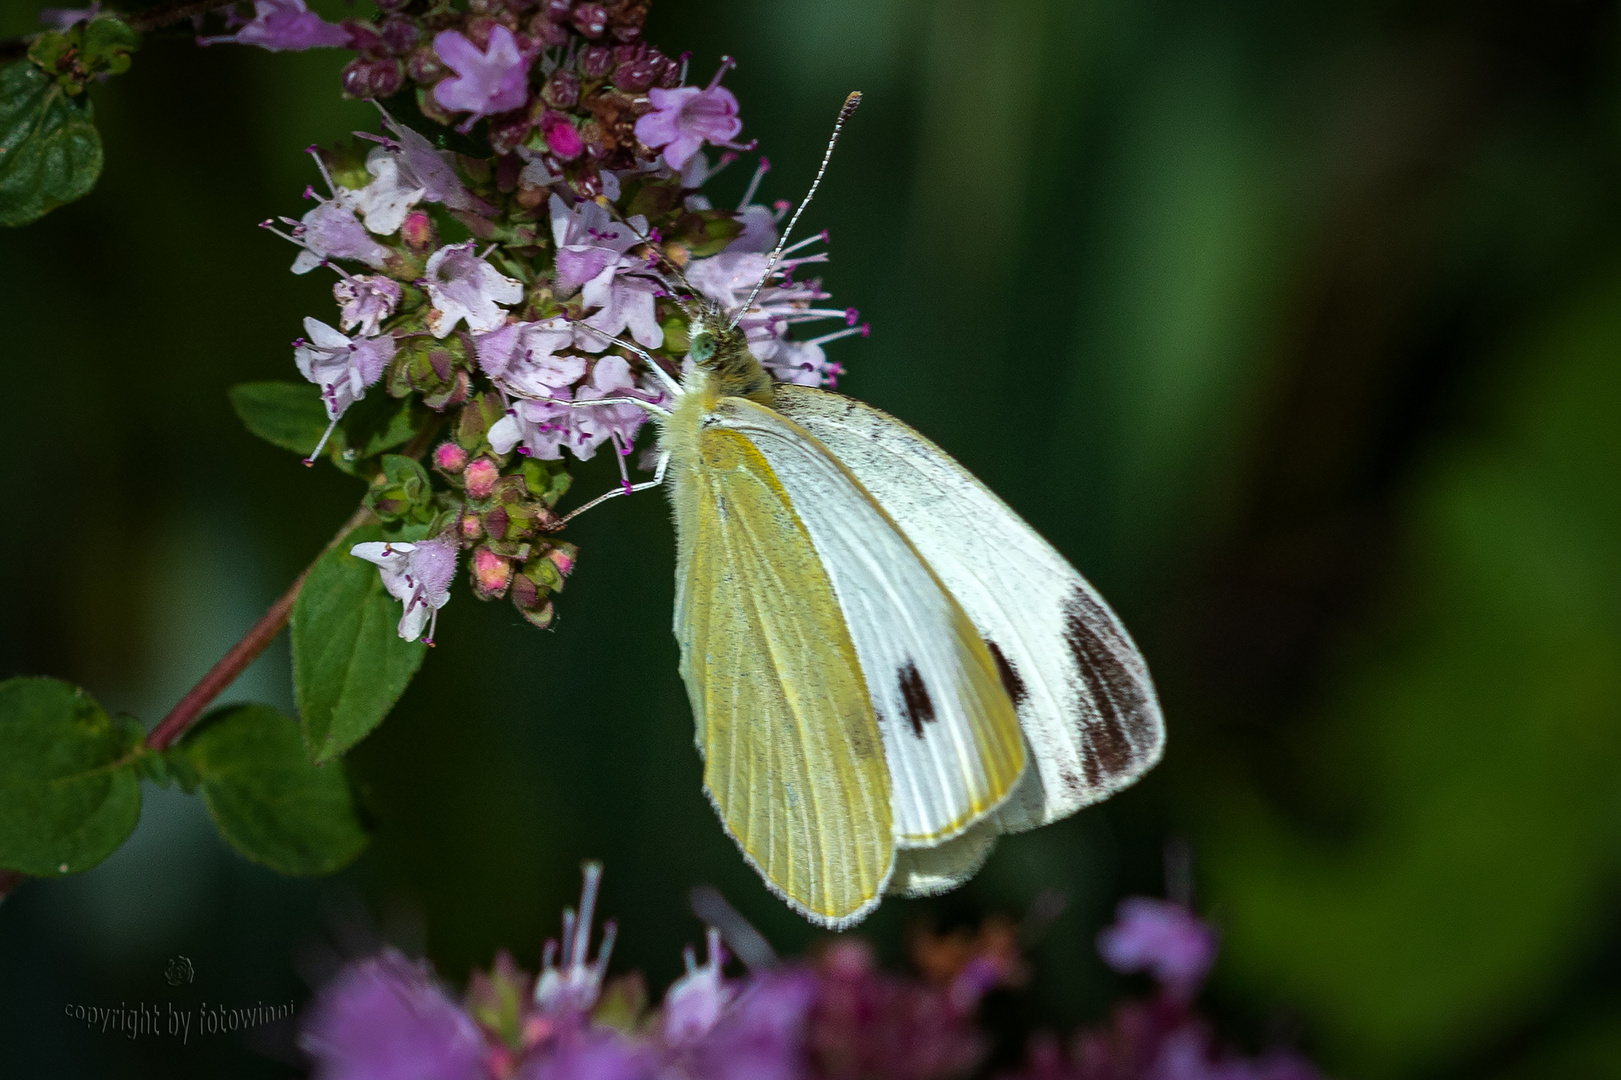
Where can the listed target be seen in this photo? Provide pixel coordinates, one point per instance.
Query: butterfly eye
(703, 347)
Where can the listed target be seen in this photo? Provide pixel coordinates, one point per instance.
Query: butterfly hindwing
(951, 734)
(792, 756)
(1083, 693)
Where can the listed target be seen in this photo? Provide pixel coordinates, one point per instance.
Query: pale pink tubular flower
(463, 286)
(418, 575)
(284, 26)
(342, 367)
(527, 359)
(685, 118)
(493, 81)
(366, 300)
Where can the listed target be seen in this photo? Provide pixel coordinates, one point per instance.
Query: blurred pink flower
(685, 118)
(284, 26)
(495, 80)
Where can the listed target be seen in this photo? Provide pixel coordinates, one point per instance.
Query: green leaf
(50, 153)
(69, 794)
(349, 664)
(290, 415)
(287, 414)
(266, 798)
(108, 41)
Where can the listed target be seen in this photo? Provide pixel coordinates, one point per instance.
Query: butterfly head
(722, 350)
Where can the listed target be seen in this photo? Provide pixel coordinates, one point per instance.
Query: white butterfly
(887, 666)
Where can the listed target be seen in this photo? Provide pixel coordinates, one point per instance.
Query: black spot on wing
(1011, 682)
(915, 696)
(1118, 688)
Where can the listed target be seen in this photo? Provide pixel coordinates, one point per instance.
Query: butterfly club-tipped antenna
(849, 107)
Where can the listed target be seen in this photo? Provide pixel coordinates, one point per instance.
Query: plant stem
(244, 652)
(10, 879)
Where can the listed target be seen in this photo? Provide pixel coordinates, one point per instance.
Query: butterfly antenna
(850, 104)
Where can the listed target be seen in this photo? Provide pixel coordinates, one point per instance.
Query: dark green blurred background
(1297, 327)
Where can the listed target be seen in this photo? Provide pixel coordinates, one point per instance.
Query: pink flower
(685, 118)
(463, 286)
(493, 81)
(544, 428)
(1163, 938)
(418, 575)
(561, 135)
(387, 1017)
(591, 256)
(285, 26)
(342, 367)
(366, 300)
(526, 360)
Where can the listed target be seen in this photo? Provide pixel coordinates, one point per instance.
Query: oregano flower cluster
(495, 296)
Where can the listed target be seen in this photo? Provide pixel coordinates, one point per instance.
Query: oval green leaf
(265, 797)
(50, 152)
(69, 794)
(349, 664)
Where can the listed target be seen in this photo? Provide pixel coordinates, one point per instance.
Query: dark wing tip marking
(1016, 690)
(1119, 691)
(915, 696)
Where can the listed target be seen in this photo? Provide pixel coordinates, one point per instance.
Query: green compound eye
(703, 348)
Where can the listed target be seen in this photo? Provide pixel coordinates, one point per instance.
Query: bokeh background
(1297, 327)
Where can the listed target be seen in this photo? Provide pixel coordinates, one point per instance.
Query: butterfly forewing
(950, 731)
(1083, 693)
(792, 755)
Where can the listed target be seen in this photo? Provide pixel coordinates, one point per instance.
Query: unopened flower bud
(470, 527)
(591, 20)
(558, 10)
(638, 67)
(480, 478)
(451, 394)
(546, 32)
(449, 458)
(418, 232)
(491, 574)
(562, 90)
(563, 556)
(626, 20)
(596, 61)
(401, 35)
(561, 135)
(508, 131)
(372, 79)
(424, 66)
(365, 39)
(495, 522)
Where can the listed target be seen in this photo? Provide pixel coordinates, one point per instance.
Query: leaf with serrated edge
(349, 664)
(265, 797)
(69, 794)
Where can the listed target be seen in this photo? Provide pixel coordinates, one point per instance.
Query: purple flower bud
(596, 61)
(491, 574)
(591, 20)
(1163, 938)
(401, 35)
(638, 68)
(561, 135)
(425, 67)
(365, 38)
(558, 10)
(372, 79)
(562, 90)
(508, 131)
(480, 478)
(546, 32)
(418, 232)
(449, 458)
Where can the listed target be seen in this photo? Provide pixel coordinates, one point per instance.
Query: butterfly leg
(658, 478)
(663, 376)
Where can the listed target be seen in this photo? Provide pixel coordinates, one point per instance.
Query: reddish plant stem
(10, 879)
(259, 636)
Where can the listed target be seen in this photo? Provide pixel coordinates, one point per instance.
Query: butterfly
(887, 666)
